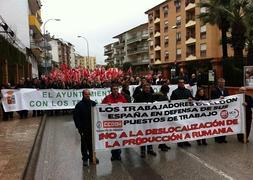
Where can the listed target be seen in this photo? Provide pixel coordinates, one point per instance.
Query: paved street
(60, 158)
(16, 141)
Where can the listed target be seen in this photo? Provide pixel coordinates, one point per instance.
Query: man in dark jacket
(219, 92)
(83, 122)
(139, 88)
(181, 93)
(146, 96)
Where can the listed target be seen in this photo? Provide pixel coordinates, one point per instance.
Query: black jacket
(82, 114)
(144, 97)
(216, 93)
(180, 93)
(160, 97)
(138, 90)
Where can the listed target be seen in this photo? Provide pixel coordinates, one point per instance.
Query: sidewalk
(16, 140)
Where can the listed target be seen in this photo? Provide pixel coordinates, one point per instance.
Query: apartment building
(61, 53)
(131, 47)
(110, 52)
(36, 37)
(85, 62)
(20, 34)
(178, 37)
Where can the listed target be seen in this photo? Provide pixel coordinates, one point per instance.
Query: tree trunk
(224, 43)
(250, 53)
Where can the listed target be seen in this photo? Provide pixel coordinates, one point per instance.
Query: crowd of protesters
(65, 78)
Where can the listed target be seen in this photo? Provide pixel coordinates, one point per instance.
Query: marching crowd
(142, 93)
(145, 93)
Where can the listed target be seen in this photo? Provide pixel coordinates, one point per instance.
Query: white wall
(54, 51)
(16, 15)
(72, 57)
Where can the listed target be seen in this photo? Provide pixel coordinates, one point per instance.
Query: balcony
(157, 34)
(158, 61)
(191, 40)
(133, 40)
(190, 23)
(108, 52)
(157, 48)
(190, 5)
(138, 50)
(34, 24)
(157, 20)
(120, 45)
(36, 49)
(191, 57)
(108, 60)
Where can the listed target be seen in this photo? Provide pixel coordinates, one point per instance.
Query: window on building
(166, 27)
(203, 50)
(178, 37)
(166, 41)
(165, 11)
(191, 50)
(178, 21)
(178, 53)
(166, 55)
(203, 32)
(177, 4)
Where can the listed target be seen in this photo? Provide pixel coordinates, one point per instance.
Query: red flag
(129, 71)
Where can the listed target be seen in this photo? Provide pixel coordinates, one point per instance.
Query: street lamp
(86, 43)
(45, 40)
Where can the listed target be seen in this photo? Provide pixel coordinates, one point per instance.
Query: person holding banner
(200, 95)
(145, 96)
(219, 92)
(114, 97)
(163, 96)
(139, 88)
(82, 119)
(248, 106)
(181, 93)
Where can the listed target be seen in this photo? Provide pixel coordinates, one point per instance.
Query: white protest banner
(47, 99)
(130, 125)
(51, 99)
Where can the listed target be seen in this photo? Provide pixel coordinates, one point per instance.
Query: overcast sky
(97, 20)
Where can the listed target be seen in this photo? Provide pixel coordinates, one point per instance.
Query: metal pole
(45, 40)
(87, 43)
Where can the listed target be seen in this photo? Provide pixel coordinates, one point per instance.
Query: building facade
(178, 37)
(20, 36)
(61, 53)
(36, 37)
(85, 62)
(131, 47)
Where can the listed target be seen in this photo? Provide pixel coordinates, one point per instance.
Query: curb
(31, 163)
